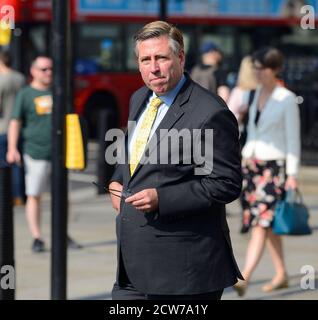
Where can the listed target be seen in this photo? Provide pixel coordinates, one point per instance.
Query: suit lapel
(139, 104)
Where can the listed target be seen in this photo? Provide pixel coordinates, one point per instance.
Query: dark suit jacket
(184, 247)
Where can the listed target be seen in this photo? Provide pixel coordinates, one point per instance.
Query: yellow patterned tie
(143, 134)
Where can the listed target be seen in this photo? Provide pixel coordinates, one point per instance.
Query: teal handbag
(291, 216)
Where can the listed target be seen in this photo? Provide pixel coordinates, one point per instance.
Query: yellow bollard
(75, 151)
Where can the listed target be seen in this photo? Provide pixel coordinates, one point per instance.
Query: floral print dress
(263, 185)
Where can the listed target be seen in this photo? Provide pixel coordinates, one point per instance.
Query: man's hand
(13, 156)
(145, 200)
(115, 200)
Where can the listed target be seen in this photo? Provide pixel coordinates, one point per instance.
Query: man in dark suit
(173, 238)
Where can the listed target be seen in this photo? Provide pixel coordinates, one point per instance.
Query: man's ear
(182, 58)
(32, 71)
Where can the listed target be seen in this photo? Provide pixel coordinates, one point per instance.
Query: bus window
(131, 62)
(99, 48)
(245, 44)
(223, 37)
(35, 41)
(190, 46)
(37, 37)
(187, 38)
(302, 41)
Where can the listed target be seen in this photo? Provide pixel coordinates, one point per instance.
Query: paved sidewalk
(91, 270)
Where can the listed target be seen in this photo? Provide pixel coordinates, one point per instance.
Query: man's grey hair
(157, 29)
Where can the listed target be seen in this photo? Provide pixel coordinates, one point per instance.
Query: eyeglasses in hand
(117, 193)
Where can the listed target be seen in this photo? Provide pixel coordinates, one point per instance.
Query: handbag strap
(294, 195)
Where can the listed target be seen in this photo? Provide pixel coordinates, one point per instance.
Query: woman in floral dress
(270, 164)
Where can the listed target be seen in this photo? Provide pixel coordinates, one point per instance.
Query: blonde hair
(157, 29)
(246, 79)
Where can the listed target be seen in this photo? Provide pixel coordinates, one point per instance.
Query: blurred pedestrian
(270, 164)
(209, 73)
(32, 116)
(173, 238)
(241, 98)
(10, 82)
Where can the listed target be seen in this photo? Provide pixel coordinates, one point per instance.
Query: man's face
(41, 71)
(160, 68)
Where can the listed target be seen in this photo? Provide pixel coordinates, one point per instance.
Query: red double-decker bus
(104, 66)
(105, 73)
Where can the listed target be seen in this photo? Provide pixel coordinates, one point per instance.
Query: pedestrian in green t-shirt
(32, 117)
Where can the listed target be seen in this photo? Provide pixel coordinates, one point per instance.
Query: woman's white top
(277, 133)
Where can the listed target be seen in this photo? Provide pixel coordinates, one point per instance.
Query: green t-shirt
(34, 108)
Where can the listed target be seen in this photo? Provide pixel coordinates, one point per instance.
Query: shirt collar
(169, 97)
